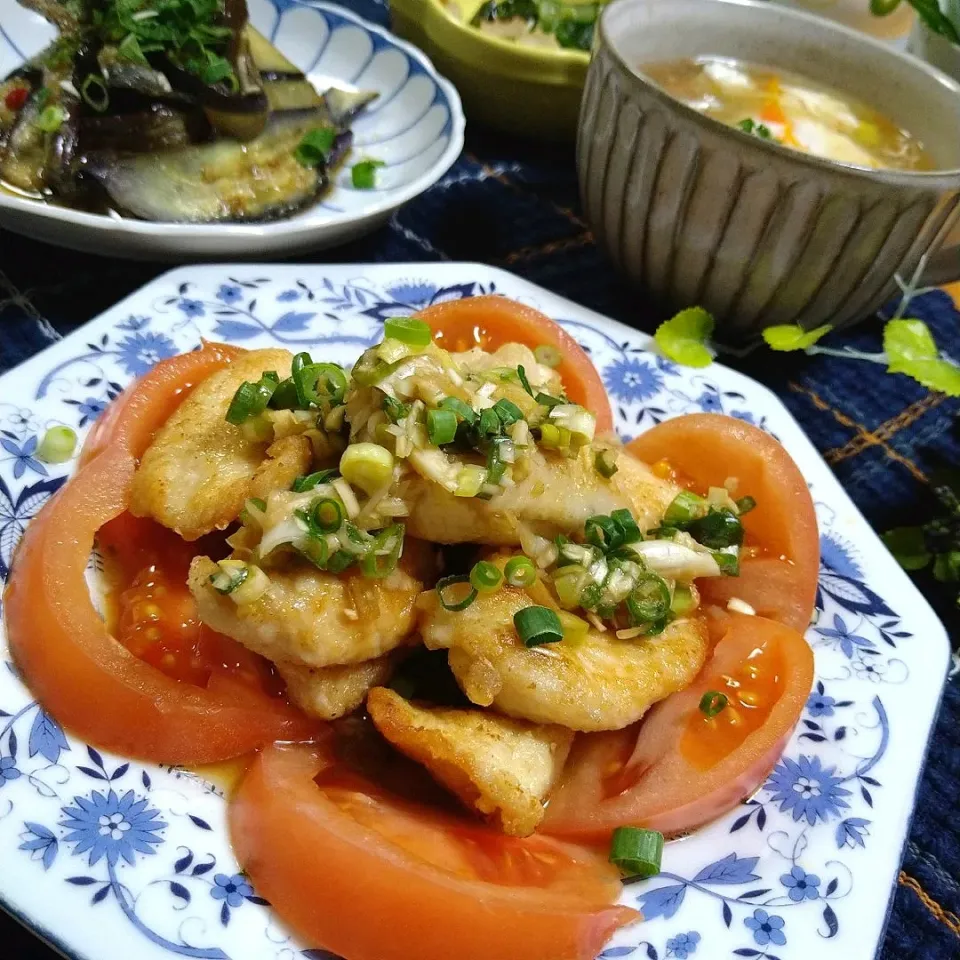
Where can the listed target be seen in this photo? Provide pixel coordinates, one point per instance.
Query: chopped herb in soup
(542, 23)
(791, 110)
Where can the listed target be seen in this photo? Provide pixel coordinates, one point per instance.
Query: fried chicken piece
(598, 683)
(502, 768)
(331, 692)
(199, 470)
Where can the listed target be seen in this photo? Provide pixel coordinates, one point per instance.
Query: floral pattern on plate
(95, 844)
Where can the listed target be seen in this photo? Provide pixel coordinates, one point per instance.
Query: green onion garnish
(524, 382)
(317, 551)
(649, 601)
(496, 463)
(537, 626)
(309, 481)
(315, 146)
(489, 423)
(712, 702)
(385, 552)
(684, 509)
(507, 412)
(548, 356)
(409, 330)
(520, 572)
(605, 463)
(729, 563)
(683, 602)
(57, 445)
(257, 504)
(320, 383)
(94, 92)
(51, 119)
(363, 176)
(629, 531)
(394, 409)
(285, 396)
(250, 400)
(636, 852)
(463, 410)
(450, 587)
(226, 580)
(545, 400)
(340, 560)
(485, 576)
(327, 515)
(602, 532)
(745, 505)
(718, 529)
(441, 426)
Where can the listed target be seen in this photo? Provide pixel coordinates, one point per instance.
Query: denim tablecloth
(515, 205)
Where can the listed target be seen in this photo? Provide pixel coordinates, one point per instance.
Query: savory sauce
(791, 110)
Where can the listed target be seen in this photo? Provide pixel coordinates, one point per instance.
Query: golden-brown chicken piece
(557, 496)
(314, 618)
(598, 683)
(502, 768)
(199, 470)
(331, 692)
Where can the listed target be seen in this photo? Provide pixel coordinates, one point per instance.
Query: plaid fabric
(515, 205)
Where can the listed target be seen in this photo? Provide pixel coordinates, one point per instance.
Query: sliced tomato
(370, 876)
(491, 321)
(92, 683)
(679, 769)
(706, 449)
(135, 416)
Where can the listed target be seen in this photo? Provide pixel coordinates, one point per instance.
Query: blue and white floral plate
(415, 127)
(111, 859)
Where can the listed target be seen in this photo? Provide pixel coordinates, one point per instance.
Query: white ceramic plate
(804, 868)
(415, 128)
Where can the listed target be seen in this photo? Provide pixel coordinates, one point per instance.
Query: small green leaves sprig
(930, 13)
(908, 345)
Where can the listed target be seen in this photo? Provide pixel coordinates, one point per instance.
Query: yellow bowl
(531, 91)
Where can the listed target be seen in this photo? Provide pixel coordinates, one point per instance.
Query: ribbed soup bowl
(696, 212)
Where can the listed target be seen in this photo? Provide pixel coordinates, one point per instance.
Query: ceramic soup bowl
(695, 212)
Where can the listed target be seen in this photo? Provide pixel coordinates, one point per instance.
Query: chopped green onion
(384, 553)
(745, 505)
(367, 466)
(94, 92)
(496, 461)
(315, 146)
(463, 410)
(712, 702)
(729, 563)
(309, 481)
(507, 412)
(520, 572)
(545, 400)
(363, 176)
(447, 591)
(231, 574)
(285, 396)
(524, 382)
(649, 601)
(327, 515)
(547, 355)
(254, 503)
(250, 400)
(470, 480)
(340, 561)
(629, 531)
(320, 383)
(441, 426)
(591, 595)
(636, 852)
(57, 445)
(537, 626)
(605, 463)
(394, 409)
(409, 330)
(51, 119)
(129, 49)
(316, 550)
(684, 509)
(602, 532)
(683, 602)
(489, 423)
(485, 576)
(718, 529)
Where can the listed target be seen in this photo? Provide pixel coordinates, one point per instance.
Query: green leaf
(791, 336)
(685, 338)
(946, 567)
(364, 174)
(908, 547)
(911, 350)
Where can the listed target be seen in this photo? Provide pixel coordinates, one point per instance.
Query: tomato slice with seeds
(491, 321)
(440, 885)
(146, 404)
(706, 449)
(679, 769)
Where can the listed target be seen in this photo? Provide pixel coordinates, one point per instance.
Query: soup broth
(791, 110)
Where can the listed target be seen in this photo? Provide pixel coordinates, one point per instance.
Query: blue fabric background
(515, 205)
